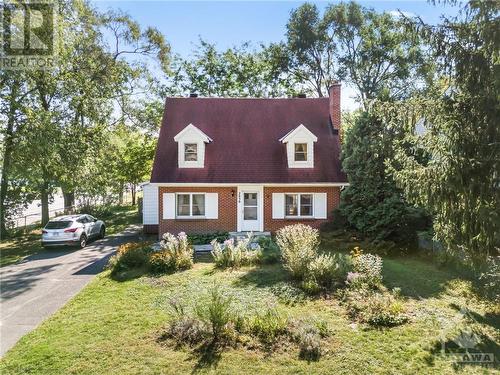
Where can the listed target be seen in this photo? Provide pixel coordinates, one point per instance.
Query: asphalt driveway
(34, 289)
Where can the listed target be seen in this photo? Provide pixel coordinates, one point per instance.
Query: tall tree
(71, 102)
(370, 50)
(309, 53)
(238, 71)
(458, 181)
(376, 53)
(372, 203)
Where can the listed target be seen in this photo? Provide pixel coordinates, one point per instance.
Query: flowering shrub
(129, 255)
(231, 254)
(176, 254)
(298, 244)
(326, 269)
(376, 308)
(186, 330)
(308, 336)
(299, 248)
(368, 271)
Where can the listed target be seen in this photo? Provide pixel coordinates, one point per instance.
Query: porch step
(238, 236)
(200, 249)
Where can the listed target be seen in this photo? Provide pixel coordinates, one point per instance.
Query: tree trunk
(120, 196)
(132, 190)
(69, 201)
(44, 196)
(8, 148)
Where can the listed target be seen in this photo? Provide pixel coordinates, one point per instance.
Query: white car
(72, 230)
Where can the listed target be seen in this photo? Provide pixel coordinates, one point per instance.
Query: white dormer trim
(191, 134)
(299, 135)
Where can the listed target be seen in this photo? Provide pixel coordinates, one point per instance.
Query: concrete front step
(243, 235)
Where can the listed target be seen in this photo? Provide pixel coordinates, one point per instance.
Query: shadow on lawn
(207, 355)
(416, 278)
(449, 347)
(491, 319)
(262, 276)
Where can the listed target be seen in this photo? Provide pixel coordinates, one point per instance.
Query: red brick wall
(272, 225)
(150, 228)
(228, 206)
(227, 220)
(334, 105)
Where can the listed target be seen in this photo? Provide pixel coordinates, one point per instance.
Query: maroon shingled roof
(246, 146)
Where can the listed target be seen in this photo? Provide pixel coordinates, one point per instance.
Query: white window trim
(190, 216)
(189, 135)
(299, 135)
(299, 216)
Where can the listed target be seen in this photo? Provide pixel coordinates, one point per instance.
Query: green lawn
(112, 327)
(14, 249)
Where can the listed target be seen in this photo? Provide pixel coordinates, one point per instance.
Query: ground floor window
(190, 205)
(298, 205)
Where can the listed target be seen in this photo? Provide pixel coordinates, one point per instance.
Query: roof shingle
(246, 146)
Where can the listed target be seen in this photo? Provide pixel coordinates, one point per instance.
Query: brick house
(245, 164)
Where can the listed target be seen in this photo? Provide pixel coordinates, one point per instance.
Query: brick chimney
(334, 105)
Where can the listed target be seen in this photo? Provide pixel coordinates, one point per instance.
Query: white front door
(249, 209)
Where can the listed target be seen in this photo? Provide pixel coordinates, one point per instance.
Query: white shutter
(150, 204)
(212, 205)
(320, 208)
(278, 205)
(168, 206)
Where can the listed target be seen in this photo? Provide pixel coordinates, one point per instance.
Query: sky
(229, 23)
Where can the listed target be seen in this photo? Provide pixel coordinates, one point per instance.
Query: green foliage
(236, 255)
(236, 72)
(298, 244)
(453, 171)
(326, 269)
(270, 250)
(128, 256)
(372, 203)
(176, 254)
(185, 330)
(269, 325)
(206, 238)
(367, 271)
(489, 279)
(308, 335)
(59, 119)
(217, 312)
(376, 308)
(372, 50)
(288, 294)
(316, 272)
(100, 211)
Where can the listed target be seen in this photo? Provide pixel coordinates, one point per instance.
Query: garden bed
(117, 326)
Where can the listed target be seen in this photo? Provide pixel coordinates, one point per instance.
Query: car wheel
(102, 232)
(83, 241)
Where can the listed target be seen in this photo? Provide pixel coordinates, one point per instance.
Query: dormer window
(190, 152)
(191, 145)
(300, 147)
(300, 152)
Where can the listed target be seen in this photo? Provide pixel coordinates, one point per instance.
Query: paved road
(34, 289)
